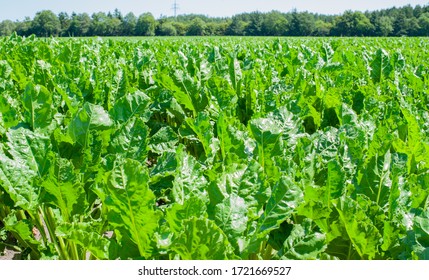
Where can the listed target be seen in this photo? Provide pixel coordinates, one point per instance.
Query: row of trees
(404, 21)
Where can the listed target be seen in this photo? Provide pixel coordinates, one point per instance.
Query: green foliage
(393, 21)
(215, 149)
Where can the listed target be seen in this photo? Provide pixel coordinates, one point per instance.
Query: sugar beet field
(214, 148)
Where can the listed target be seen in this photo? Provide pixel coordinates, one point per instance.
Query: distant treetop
(404, 21)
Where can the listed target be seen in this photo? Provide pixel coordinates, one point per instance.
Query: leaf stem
(57, 240)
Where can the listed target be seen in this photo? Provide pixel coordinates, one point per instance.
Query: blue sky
(19, 9)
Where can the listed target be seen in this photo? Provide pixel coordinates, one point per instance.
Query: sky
(19, 9)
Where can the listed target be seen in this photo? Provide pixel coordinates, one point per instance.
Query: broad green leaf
(380, 66)
(122, 247)
(90, 117)
(317, 205)
(202, 127)
(303, 243)
(191, 85)
(132, 105)
(177, 213)
(9, 116)
(376, 179)
(188, 178)
(235, 142)
(17, 180)
(64, 189)
(223, 95)
(415, 245)
(131, 203)
(326, 145)
(183, 98)
(22, 231)
(235, 73)
(231, 216)
(37, 103)
(164, 140)
(29, 148)
(165, 166)
(85, 235)
(318, 199)
(355, 138)
(359, 227)
(335, 181)
(243, 181)
(327, 53)
(29, 160)
(291, 125)
(286, 197)
(130, 140)
(380, 143)
(267, 134)
(202, 239)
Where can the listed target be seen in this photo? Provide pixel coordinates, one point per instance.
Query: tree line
(403, 21)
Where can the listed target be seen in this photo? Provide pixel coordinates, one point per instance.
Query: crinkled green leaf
(177, 213)
(85, 235)
(335, 181)
(9, 116)
(202, 239)
(29, 160)
(188, 178)
(182, 97)
(235, 142)
(303, 243)
(64, 189)
(285, 198)
(90, 117)
(203, 129)
(22, 231)
(164, 140)
(231, 216)
(37, 103)
(244, 181)
(131, 203)
(376, 179)
(359, 227)
(267, 134)
(132, 105)
(130, 140)
(380, 66)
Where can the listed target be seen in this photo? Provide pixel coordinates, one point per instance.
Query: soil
(9, 255)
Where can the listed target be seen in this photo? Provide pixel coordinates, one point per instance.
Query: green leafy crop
(222, 148)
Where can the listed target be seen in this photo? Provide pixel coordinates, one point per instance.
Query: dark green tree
(302, 24)
(46, 23)
(65, 22)
(80, 25)
(237, 27)
(424, 24)
(383, 26)
(146, 25)
(166, 29)
(181, 27)
(7, 27)
(129, 23)
(352, 24)
(254, 27)
(322, 28)
(114, 26)
(197, 27)
(400, 27)
(100, 24)
(24, 28)
(274, 24)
